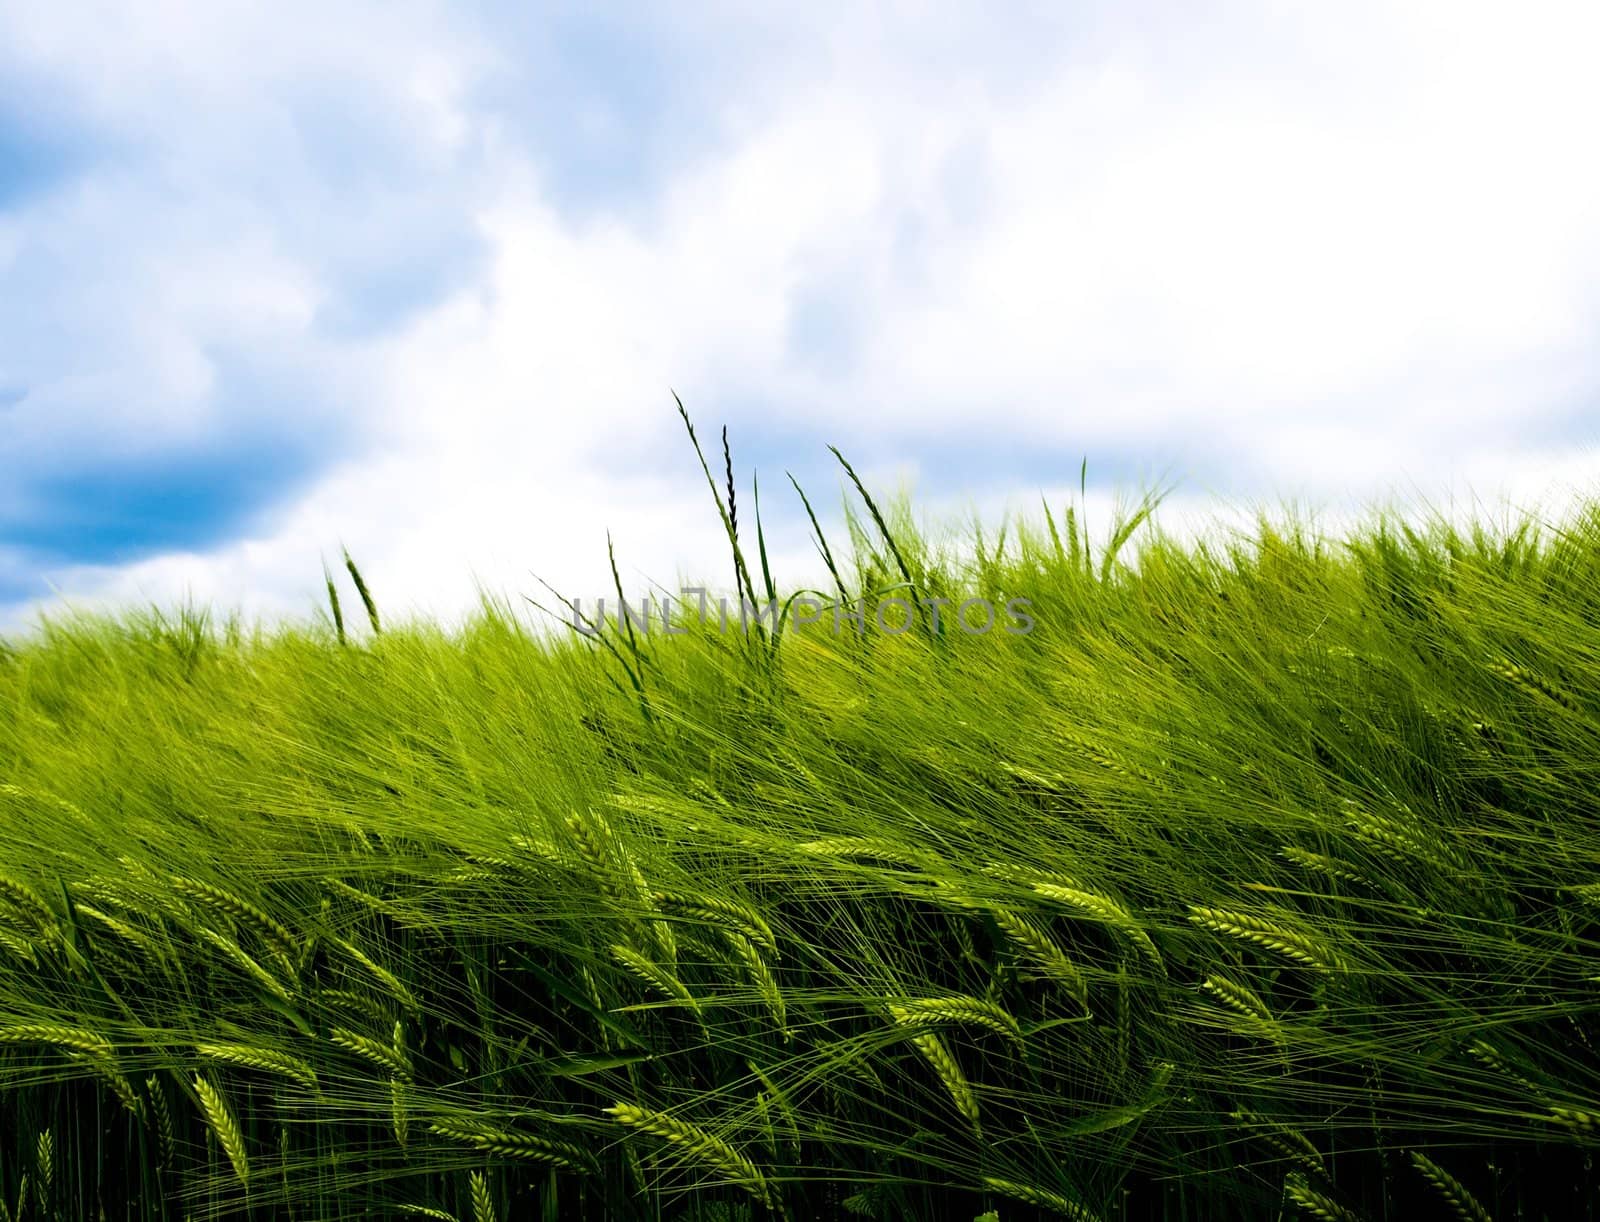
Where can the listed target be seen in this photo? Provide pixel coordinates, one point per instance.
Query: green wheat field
(1257, 880)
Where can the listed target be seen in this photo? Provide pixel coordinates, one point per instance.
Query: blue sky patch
(194, 498)
(88, 502)
(38, 151)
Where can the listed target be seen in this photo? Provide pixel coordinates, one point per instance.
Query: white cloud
(1349, 248)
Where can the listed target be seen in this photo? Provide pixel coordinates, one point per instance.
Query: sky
(420, 280)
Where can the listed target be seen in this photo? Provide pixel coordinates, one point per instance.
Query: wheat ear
(1575, 1118)
(264, 1059)
(608, 857)
(377, 1052)
(1529, 681)
(873, 848)
(224, 1126)
(1101, 908)
(45, 1162)
(935, 1052)
(702, 1146)
(392, 983)
(719, 910)
(761, 976)
(958, 1009)
(1318, 1204)
(26, 901)
(249, 966)
(654, 975)
(276, 935)
(1286, 942)
(72, 1039)
(1396, 840)
(1291, 1143)
(1323, 864)
(516, 1145)
(19, 946)
(482, 1202)
(106, 1067)
(1462, 1203)
(163, 1115)
(1047, 957)
(128, 933)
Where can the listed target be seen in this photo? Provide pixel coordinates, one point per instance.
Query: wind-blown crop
(1258, 880)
